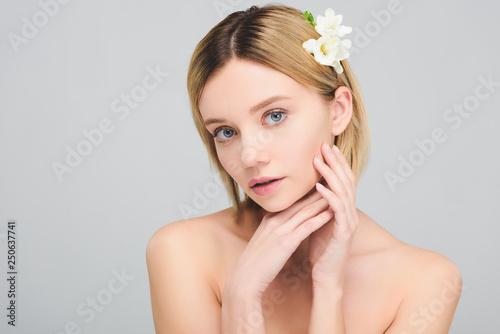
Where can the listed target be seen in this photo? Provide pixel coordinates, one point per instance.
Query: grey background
(72, 235)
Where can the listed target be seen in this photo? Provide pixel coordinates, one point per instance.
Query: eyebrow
(253, 109)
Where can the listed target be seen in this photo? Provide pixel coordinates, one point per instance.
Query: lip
(253, 181)
(267, 189)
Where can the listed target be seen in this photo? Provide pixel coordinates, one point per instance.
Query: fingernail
(330, 148)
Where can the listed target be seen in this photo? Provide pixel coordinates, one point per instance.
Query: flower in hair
(331, 24)
(329, 49)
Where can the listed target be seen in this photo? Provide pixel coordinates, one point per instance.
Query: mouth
(267, 187)
(263, 183)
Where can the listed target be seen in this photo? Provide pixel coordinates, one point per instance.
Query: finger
(307, 212)
(347, 169)
(339, 207)
(331, 178)
(342, 188)
(333, 160)
(289, 212)
(351, 205)
(312, 224)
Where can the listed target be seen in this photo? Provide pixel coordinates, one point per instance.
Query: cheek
(302, 149)
(303, 152)
(303, 145)
(230, 163)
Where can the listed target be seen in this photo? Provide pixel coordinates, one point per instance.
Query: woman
(296, 255)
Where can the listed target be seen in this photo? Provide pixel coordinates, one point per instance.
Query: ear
(340, 110)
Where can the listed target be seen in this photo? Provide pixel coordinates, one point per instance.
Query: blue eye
(227, 132)
(280, 114)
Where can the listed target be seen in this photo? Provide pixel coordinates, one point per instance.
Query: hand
(329, 245)
(276, 238)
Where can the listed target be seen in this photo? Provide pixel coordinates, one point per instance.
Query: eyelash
(274, 111)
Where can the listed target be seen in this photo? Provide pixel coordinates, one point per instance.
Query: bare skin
(305, 264)
(381, 271)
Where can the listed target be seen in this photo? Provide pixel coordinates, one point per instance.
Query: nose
(255, 150)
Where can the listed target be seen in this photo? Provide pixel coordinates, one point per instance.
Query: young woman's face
(267, 124)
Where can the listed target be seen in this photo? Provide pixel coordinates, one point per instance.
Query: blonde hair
(272, 35)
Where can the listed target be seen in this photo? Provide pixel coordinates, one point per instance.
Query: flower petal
(329, 49)
(344, 30)
(338, 67)
(347, 43)
(329, 12)
(309, 45)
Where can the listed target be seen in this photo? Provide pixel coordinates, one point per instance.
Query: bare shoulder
(422, 267)
(179, 258)
(428, 283)
(197, 236)
(427, 263)
(416, 262)
(432, 288)
(428, 276)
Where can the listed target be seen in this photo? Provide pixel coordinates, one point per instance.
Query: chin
(274, 207)
(278, 203)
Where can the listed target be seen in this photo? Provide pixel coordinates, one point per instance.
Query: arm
(241, 310)
(182, 299)
(180, 286)
(330, 245)
(431, 299)
(327, 314)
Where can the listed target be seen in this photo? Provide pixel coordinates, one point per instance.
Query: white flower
(329, 49)
(330, 24)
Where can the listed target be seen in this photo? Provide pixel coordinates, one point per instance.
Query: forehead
(241, 83)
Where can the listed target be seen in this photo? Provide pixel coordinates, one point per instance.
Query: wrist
(241, 289)
(241, 307)
(327, 312)
(332, 289)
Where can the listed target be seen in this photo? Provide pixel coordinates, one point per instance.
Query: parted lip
(253, 181)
